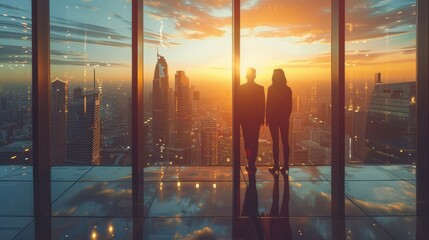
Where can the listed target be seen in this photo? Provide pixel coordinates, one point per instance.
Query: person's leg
(274, 130)
(284, 130)
(246, 139)
(254, 136)
(249, 146)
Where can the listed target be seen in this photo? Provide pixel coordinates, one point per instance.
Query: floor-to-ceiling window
(90, 108)
(380, 112)
(15, 116)
(187, 117)
(293, 37)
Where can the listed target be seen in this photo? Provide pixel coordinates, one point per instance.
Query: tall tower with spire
(160, 114)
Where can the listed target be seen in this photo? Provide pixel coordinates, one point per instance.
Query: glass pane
(187, 56)
(91, 82)
(288, 44)
(188, 117)
(91, 119)
(381, 106)
(296, 39)
(16, 132)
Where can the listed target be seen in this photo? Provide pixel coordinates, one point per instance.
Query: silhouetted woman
(278, 110)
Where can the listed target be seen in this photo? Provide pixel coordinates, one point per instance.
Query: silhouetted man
(251, 113)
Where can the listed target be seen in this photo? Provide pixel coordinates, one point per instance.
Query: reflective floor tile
(307, 198)
(367, 172)
(58, 188)
(7, 169)
(95, 199)
(404, 228)
(16, 198)
(150, 189)
(383, 197)
(296, 173)
(68, 173)
(192, 199)
(187, 228)
(65, 228)
(359, 173)
(325, 171)
(154, 173)
(28, 233)
(406, 172)
(11, 226)
(284, 228)
(198, 173)
(108, 173)
(24, 173)
(362, 228)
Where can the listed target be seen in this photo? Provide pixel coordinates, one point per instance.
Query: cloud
(151, 37)
(196, 19)
(199, 19)
(205, 233)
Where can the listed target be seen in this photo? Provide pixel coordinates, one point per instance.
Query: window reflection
(15, 83)
(296, 38)
(91, 82)
(380, 82)
(187, 54)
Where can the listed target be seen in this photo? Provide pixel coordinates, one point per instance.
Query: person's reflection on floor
(279, 219)
(250, 210)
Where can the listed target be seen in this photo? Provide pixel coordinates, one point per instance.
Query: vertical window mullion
(41, 117)
(338, 103)
(422, 175)
(137, 119)
(235, 125)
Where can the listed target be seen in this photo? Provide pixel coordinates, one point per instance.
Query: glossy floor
(196, 203)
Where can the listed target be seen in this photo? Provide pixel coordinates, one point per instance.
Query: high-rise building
(83, 134)
(181, 152)
(355, 130)
(391, 124)
(59, 104)
(209, 142)
(182, 111)
(160, 113)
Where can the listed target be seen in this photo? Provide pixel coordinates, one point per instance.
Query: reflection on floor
(196, 202)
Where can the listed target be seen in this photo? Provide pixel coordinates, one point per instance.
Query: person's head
(279, 77)
(251, 74)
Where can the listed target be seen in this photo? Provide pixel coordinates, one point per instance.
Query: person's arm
(289, 102)
(261, 101)
(268, 107)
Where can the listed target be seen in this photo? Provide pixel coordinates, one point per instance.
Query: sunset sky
(195, 36)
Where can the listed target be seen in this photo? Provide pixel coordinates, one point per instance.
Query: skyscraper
(59, 104)
(182, 111)
(160, 114)
(391, 124)
(83, 136)
(209, 142)
(180, 153)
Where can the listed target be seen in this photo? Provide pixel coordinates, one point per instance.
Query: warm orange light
(94, 235)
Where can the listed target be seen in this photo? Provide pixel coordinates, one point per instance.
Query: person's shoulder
(260, 87)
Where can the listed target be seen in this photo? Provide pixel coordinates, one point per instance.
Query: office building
(83, 134)
(59, 105)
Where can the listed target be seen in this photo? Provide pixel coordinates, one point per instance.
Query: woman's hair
(279, 77)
